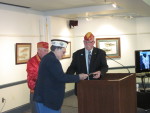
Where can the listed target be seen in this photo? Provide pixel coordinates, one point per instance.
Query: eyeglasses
(88, 42)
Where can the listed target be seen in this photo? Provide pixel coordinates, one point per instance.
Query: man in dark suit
(80, 61)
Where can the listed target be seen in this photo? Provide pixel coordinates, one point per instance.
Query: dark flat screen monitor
(142, 61)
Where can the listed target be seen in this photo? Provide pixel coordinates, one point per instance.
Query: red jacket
(32, 71)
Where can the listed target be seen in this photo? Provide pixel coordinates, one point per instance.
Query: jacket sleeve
(57, 72)
(32, 73)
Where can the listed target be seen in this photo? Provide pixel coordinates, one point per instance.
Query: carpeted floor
(70, 106)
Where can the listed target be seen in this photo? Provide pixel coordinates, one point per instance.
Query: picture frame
(23, 52)
(110, 45)
(68, 51)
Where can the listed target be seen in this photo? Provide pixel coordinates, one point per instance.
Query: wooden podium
(115, 93)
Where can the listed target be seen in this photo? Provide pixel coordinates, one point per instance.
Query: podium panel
(115, 93)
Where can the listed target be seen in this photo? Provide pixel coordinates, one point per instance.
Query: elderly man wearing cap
(32, 69)
(50, 86)
(89, 60)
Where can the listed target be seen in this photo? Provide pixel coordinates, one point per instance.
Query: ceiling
(84, 8)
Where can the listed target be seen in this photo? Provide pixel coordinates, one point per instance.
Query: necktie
(89, 59)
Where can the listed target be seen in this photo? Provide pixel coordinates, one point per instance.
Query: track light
(114, 5)
(88, 18)
(131, 17)
(128, 17)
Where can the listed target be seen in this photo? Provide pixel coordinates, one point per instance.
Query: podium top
(116, 76)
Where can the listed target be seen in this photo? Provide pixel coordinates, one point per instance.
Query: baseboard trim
(26, 107)
(69, 93)
(24, 81)
(19, 109)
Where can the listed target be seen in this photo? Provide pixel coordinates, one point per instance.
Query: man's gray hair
(53, 48)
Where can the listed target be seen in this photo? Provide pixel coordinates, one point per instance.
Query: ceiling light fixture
(131, 17)
(128, 17)
(114, 5)
(88, 18)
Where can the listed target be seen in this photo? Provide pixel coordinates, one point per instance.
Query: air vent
(14, 5)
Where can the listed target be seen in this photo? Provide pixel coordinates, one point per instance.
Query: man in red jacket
(32, 69)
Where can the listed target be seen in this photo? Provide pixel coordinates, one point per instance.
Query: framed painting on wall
(110, 45)
(23, 52)
(68, 51)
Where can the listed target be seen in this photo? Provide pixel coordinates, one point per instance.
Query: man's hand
(83, 76)
(97, 74)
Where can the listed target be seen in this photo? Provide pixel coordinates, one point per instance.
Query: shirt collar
(88, 50)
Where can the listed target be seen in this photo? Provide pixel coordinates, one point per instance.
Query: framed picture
(68, 51)
(23, 52)
(110, 45)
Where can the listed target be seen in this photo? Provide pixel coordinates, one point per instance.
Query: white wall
(16, 27)
(25, 27)
(143, 33)
(105, 26)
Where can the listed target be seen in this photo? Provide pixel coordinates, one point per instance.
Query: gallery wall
(16, 27)
(143, 33)
(27, 27)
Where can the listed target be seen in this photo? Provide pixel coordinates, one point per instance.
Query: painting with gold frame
(68, 51)
(110, 45)
(23, 52)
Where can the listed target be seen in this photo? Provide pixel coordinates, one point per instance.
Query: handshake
(84, 76)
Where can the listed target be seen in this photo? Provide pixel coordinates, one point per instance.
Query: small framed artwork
(68, 51)
(23, 52)
(110, 45)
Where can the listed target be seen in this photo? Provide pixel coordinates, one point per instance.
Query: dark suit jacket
(50, 85)
(98, 62)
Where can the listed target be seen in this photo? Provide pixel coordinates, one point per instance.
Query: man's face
(89, 44)
(60, 53)
(42, 52)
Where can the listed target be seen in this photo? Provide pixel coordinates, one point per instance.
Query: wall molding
(104, 35)
(12, 84)
(26, 107)
(19, 109)
(17, 35)
(24, 81)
